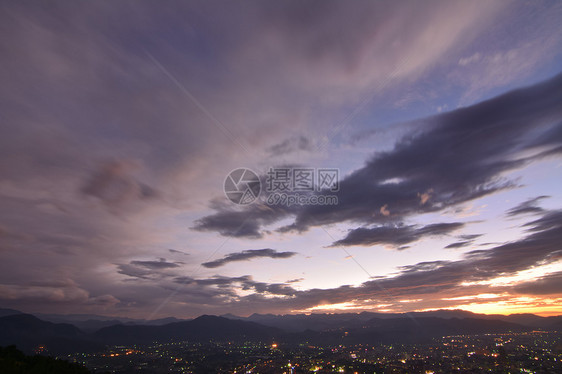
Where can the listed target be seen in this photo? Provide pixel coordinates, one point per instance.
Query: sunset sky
(120, 120)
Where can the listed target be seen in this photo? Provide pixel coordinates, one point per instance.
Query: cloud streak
(248, 255)
(527, 207)
(396, 235)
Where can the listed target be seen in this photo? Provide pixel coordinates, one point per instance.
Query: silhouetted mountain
(162, 321)
(28, 332)
(357, 329)
(93, 325)
(443, 313)
(425, 328)
(525, 319)
(230, 316)
(94, 322)
(405, 330)
(530, 320)
(78, 318)
(201, 329)
(322, 322)
(8, 312)
(315, 322)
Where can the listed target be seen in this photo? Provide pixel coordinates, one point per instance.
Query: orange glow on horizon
(543, 307)
(480, 304)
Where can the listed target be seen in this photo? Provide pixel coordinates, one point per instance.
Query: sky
(121, 120)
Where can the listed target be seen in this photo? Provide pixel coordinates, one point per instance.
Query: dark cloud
(290, 145)
(147, 269)
(114, 184)
(453, 158)
(466, 240)
(458, 244)
(248, 255)
(470, 236)
(296, 280)
(246, 223)
(160, 264)
(214, 281)
(550, 220)
(244, 283)
(422, 266)
(527, 207)
(396, 235)
(547, 285)
(134, 271)
(178, 252)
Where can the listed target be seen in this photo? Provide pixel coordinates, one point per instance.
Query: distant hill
(530, 320)
(8, 312)
(93, 325)
(28, 332)
(315, 322)
(71, 318)
(295, 322)
(416, 329)
(405, 331)
(323, 321)
(93, 322)
(201, 329)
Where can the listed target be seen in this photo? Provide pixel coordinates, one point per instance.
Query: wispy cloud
(396, 235)
(248, 255)
(527, 207)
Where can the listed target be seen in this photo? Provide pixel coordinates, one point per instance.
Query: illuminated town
(532, 352)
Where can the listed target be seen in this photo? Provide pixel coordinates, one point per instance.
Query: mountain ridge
(28, 331)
